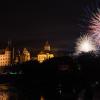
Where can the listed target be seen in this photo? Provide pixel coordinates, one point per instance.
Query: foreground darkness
(62, 78)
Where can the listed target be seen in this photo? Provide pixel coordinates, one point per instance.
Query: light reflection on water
(7, 92)
(42, 98)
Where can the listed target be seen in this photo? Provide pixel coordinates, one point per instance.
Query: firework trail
(91, 23)
(94, 27)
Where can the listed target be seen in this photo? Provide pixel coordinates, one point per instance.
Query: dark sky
(32, 22)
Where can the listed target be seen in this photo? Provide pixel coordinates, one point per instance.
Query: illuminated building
(23, 57)
(5, 57)
(42, 56)
(45, 54)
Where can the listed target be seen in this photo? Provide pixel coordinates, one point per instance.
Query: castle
(45, 53)
(8, 56)
(23, 56)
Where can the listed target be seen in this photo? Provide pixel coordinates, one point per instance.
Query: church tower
(47, 46)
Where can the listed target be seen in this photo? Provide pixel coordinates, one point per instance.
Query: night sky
(32, 22)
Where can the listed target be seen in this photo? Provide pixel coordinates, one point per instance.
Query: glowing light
(4, 96)
(85, 44)
(42, 56)
(42, 98)
(13, 73)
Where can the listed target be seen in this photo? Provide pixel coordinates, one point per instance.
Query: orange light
(42, 98)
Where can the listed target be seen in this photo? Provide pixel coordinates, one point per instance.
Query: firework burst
(85, 44)
(91, 22)
(94, 27)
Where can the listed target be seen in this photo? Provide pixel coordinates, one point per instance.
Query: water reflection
(42, 98)
(7, 92)
(3, 96)
(19, 92)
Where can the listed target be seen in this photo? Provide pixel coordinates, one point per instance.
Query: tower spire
(47, 46)
(9, 44)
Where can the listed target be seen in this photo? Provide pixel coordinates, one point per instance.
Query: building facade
(5, 57)
(42, 56)
(45, 54)
(23, 56)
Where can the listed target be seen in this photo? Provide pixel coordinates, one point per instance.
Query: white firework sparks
(85, 44)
